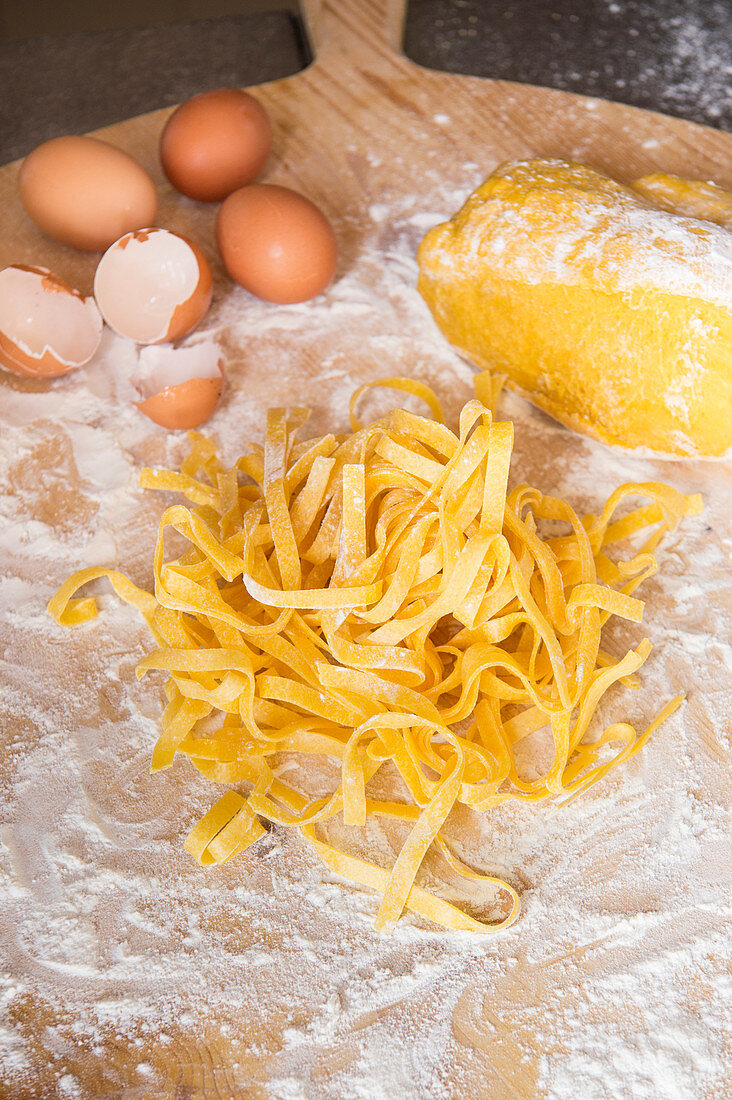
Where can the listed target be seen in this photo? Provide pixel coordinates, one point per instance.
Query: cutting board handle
(357, 28)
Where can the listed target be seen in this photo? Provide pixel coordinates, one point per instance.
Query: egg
(153, 285)
(276, 243)
(47, 327)
(180, 387)
(214, 143)
(85, 192)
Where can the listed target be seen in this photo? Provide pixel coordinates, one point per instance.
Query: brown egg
(214, 143)
(276, 243)
(86, 193)
(47, 327)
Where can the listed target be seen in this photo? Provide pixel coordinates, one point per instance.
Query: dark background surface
(67, 66)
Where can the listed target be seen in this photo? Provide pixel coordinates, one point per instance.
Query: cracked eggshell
(180, 387)
(153, 286)
(47, 328)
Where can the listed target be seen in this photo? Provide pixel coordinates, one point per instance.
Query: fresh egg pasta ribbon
(383, 599)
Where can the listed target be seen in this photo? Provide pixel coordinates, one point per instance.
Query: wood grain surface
(362, 128)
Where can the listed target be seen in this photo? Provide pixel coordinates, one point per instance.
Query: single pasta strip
(81, 609)
(314, 598)
(419, 901)
(415, 847)
(179, 718)
(403, 385)
(225, 830)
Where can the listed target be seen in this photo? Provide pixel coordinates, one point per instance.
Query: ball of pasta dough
(609, 306)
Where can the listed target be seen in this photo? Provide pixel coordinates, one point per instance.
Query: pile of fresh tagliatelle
(381, 599)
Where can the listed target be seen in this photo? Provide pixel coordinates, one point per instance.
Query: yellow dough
(609, 306)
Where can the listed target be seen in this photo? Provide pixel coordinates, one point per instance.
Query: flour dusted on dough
(607, 308)
(629, 242)
(126, 956)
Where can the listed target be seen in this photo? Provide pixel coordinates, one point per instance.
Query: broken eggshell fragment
(180, 387)
(153, 286)
(47, 328)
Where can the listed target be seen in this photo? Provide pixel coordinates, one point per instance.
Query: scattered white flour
(128, 970)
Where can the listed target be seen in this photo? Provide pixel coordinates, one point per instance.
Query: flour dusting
(131, 961)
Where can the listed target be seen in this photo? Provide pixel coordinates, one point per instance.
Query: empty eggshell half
(153, 285)
(47, 327)
(180, 387)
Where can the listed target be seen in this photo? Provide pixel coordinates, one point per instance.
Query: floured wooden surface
(129, 970)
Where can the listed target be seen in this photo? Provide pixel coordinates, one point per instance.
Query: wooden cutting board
(386, 148)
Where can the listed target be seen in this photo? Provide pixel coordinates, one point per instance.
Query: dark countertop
(669, 55)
